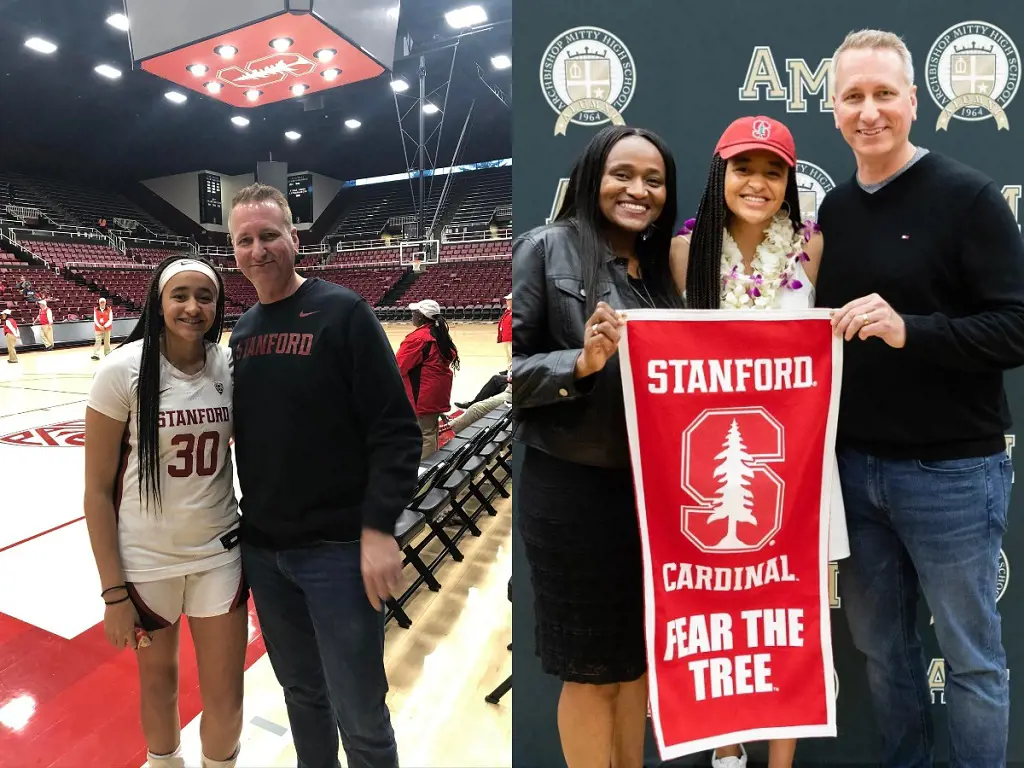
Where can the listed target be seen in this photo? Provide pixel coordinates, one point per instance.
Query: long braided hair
(150, 328)
(581, 210)
(704, 267)
(439, 330)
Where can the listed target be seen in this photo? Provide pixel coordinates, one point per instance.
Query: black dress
(582, 541)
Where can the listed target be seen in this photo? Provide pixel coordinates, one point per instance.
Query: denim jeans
(326, 645)
(933, 528)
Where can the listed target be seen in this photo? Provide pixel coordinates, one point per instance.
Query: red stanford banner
(731, 420)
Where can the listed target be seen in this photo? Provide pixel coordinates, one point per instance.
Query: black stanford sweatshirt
(326, 441)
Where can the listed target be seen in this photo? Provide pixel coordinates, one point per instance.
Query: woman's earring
(789, 211)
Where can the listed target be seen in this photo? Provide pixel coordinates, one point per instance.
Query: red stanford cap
(759, 132)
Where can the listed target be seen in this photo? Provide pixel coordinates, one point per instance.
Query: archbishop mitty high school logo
(813, 184)
(588, 77)
(973, 73)
(739, 494)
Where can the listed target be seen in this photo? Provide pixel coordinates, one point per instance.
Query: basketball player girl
(749, 249)
(161, 510)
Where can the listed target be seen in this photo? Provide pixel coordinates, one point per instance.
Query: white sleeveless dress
(838, 538)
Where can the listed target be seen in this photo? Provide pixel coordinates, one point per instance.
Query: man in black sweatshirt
(924, 265)
(327, 448)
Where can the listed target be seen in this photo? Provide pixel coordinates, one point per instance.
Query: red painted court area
(86, 696)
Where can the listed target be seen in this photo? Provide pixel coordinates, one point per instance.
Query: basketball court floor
(67, 698)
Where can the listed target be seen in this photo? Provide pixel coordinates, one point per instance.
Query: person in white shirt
(161, 509)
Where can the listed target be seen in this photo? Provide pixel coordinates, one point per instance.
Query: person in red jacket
(10, 333)
(426, 359)
(505, 329)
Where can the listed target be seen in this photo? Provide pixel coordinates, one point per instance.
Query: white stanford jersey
(198, 505)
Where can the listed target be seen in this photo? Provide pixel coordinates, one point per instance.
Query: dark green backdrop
(685, 70)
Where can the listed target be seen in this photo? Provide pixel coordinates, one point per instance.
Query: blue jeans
(931, 527)
(326, 645)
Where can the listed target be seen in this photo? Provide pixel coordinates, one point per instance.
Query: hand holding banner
(731, 419)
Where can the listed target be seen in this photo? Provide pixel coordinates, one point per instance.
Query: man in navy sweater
(327, 448)
(924, 266)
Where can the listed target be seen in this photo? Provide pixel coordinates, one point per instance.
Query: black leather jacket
(580, 421)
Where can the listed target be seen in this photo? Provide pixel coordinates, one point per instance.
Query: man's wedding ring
(864, 319)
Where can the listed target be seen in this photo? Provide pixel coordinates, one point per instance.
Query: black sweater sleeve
(991, 337)
(393, 438)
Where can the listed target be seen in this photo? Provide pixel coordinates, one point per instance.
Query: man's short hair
(876, 39)
(261, 193)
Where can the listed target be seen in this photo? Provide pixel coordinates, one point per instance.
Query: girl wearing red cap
(748, 248)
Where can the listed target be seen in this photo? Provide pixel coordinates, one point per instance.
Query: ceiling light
(330, 74)
(501, 61)
(198, 69)
(213, 86)
(239, 120)
(118, 21)
(350, 123)
(293, 135)
(226, 51)
(398, 86)
(252, 94)
(325, 54)
(298, 89)
(470, 16)
(108, 71)
(430, 109)
(38, 44)
(281, 43)
(177, 98)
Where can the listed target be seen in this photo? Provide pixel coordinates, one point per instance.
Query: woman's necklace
(773, 268)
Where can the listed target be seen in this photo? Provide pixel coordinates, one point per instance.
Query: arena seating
(68, 300)
(58, 254)
(484, 191)
(469, 290)
(472, 198)
(154, 255)
(371, 284)
(85, 206)
(365, 257)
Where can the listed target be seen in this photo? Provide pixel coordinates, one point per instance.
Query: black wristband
(115, 602)
(111, 589)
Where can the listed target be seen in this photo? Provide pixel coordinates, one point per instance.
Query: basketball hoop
(417, 264)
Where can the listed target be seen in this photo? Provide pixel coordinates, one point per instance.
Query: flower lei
(773, 268)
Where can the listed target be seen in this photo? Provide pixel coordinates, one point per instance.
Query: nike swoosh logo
(307, 314)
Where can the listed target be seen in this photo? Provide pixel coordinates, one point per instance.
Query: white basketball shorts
(198, 595)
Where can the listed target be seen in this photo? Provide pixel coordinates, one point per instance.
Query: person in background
(10, 328)
(427, 358)
(495, 385)
(607, 247)
(328, 455)
(924, 272)
(46, 324)
(161, 511)
(505, 330)
(102, 322)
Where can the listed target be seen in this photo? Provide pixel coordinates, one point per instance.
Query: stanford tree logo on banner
(814, 184)
(588, 77)
(735, 486)
(764, 80)
(973, 73)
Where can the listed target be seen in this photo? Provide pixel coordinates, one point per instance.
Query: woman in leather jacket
(606, 252)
